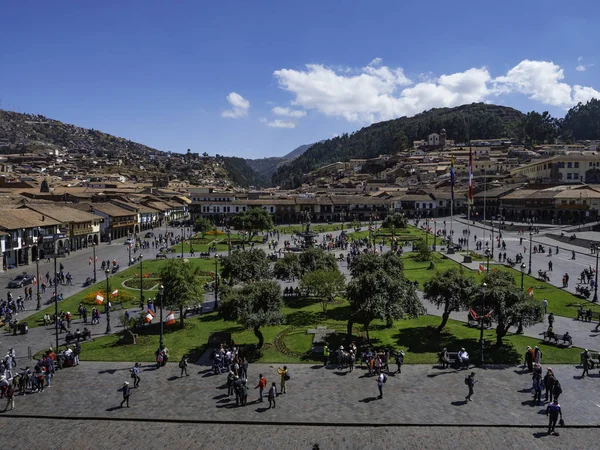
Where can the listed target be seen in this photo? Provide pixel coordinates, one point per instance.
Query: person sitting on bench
(463, 357)
(444, 359)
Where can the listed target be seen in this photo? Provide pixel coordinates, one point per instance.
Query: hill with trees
(462, 123)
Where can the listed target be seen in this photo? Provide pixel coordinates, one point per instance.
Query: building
(562, 169)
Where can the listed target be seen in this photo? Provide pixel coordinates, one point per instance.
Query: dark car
(149, 235)
(20, 281)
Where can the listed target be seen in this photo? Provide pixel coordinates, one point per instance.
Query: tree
(181, 286)
(252, 220)
(379, 295)
(394, 221)
(453, 290)
(202, 225)
(316, 259)
(287, 268)
(245, 267)
(510, 305)
(324, 284)
(423, 251)
(253, 306)
(390, 263)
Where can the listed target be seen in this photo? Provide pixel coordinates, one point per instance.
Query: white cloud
(377, 92)
(580, 66)
(263, 120)
(278, 123)
(239, 106)
(288, 112)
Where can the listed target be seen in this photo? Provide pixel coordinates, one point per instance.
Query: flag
(170, 320)
(34, 281)
(480, 270)
(147, 274)
(96, 259)
(471, 175)
(115, 293)
(452, 175)
(530, 292)
(495, 270)
(149, 316)
(90, 263)
(99, 298)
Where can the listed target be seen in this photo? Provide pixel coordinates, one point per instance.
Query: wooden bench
(452, 360)
(558, 338)
(584, 316)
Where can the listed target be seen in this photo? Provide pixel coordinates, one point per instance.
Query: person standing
(553, 411)
(529, 358)
(381, 379)
(399, 360)
(549, 384)
(126, 393)
(351, 359)
(262, 384)
(76, 353)
(537, 355)
(556, 389)
(183, 365)
(585, 362)
(545, 306)
(326, 355)
(550, 319)
(135, 372)
(470, 382)
(272, 395)
(284, 378)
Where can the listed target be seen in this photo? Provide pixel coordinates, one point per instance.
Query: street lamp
(595, 300)
(492, 243)
(107, 308)
(523, 267)
(182, 239)
(160, 294)
(37, 272)
(216, 280)
(434, 234)
(427, 231)
(481, 319)
(94, 255)
(530, 248)
(141, 284)
(487, 255)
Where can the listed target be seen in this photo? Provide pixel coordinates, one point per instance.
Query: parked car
(20, 281)
(149, 234)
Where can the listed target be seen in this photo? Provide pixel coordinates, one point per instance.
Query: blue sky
(255, 79)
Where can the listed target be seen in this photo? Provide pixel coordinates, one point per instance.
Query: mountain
(242, 172)
(477, 120)
(265, 167)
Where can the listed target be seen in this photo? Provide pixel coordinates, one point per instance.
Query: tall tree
(509, 303)
(316, 259)
(245, 267)
(453, 289)
(390, 263)
(323, 284)
(394, 221)
(202, 226)
(253, 306)
(288, 267)
(181, 286)
(253, 220)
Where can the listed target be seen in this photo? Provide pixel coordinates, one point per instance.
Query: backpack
(467, 381)
(181, 364)
(287, 377)
(384, 378)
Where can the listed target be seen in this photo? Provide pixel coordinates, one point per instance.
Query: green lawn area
(560, 302)
(317, 227)
(290, 343)
(131, 296)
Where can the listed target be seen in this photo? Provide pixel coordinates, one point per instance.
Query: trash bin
(23, 328)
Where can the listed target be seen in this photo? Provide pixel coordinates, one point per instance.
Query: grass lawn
(290, 343)
(116, 282)
(317, 227)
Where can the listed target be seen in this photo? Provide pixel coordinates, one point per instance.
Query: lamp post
(182, 239)
(243, 236)
(595, 299)
(342, 216)
(523, 267)
(492, 243)
(487, 255)
(160, 294)
(481, 329)
(37, 274)
(427, 231)
(55, 297)
(530, 248)
(107, 308)
(216, 280)
(434, 234)
(228, 237)
(128, 248)
(141, 285)
(371, 232)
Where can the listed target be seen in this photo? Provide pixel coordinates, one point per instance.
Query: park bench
(161, 256)
(452, 360)
(204, 254)
(588, 316)
(594, 359)
(556, 338)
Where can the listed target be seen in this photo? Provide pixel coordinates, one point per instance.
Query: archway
(34, 252)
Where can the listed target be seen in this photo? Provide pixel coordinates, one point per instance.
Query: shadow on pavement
(113, 408)
(540, 434)
(173, 378)
(262, 410)
(341, 373)
(220, 396)
(459, 403)
(433, 375)
(320, 366)
(368, 399)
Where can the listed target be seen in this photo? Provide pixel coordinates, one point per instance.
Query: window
(569, 175)
(569, 165)
(576, 165)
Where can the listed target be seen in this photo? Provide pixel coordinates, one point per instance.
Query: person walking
(183, 365)
(470, 382)
(10, 397)
(381, 379)
(272, 395)
(556, 389)
(399, 360)
(537, 355)
(126, 393)
(284, 378)
(550, 319)
(545, 306)
(326, 353)
(554, 411)
(262, 384)
(549, 384)
(135, 374)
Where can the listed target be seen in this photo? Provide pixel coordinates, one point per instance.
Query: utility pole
(481, 320)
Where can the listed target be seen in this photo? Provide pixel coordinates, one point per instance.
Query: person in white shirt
(463, 357)
(380, 381)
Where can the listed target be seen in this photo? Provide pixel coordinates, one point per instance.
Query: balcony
(124, 223)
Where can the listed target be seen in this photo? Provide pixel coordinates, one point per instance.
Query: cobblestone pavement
(92, 434)
(421, 395)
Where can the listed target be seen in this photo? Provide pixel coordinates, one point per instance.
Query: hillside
(297, 152)
(265, 167)
(478, 120)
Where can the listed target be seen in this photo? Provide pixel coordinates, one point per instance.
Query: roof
(111, 209)
(13, 219)
(63, 213)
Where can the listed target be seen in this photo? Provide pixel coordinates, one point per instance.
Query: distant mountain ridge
(265, 167)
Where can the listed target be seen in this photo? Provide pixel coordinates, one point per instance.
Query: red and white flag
(90, 263)
(149, 316)
(34, 281)
(99, 298)
(530, 292)
(170, 320)
(115, 292)
(480, 270)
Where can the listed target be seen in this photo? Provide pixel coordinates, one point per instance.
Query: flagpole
(452, 180)
(484, 206)
(470, 199)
